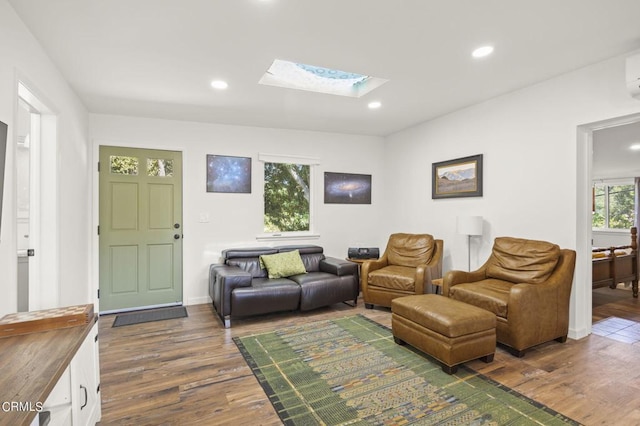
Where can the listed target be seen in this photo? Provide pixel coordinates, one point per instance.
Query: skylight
(319, 79)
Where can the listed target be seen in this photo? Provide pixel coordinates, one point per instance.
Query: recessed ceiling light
(374, 104)
(219, 84)
(635, 147)
(483, 51)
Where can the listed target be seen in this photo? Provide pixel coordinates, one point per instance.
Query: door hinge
(98, 388)
(96, 339)
(98, 293)
(98, 229)
(98, 167)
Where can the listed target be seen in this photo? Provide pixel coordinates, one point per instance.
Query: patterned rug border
(281, 409)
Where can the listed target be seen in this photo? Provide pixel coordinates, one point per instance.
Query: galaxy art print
(347, 188)
(228, 174)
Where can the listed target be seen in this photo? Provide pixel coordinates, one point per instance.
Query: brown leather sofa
(407, 267)
(527, 284)
(239, 287)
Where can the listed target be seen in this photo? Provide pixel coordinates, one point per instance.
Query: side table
(438, 283)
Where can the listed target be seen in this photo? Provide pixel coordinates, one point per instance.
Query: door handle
(176, 225)
(176, 236)
(86, 397)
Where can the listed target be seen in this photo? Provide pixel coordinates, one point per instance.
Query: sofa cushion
(322, 289)
(410, 249)
(491, 295)
(283, 264)
(249, 264)
(522, 261)
(394, 277)
(265, 295)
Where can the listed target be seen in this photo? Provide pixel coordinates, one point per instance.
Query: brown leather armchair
(408, 265)
(527, 284)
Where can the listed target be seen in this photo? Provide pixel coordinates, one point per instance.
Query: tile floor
(620, 329)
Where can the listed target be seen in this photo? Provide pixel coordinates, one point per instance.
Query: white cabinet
(85, 381)
(75, 400)
(58, 404)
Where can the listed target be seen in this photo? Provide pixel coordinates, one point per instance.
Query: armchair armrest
(338, 267)
(546, 304)
(453, 278)
(425, 274)
(223, 279)
(370, 266)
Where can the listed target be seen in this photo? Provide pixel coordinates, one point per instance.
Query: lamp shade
(469, 225)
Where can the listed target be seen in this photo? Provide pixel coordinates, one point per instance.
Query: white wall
(22, 58)
(236, 219)
(531, 172)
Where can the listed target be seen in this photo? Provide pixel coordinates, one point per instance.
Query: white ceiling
(612, 157)
(156, 58)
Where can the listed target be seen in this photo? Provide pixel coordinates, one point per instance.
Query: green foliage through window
(123, 165)
(159, 167)
(614, 206)
(286, 197)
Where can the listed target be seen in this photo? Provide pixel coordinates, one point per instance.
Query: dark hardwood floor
(188, 371)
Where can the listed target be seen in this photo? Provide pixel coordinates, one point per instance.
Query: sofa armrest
(223, 279)
(338, 267)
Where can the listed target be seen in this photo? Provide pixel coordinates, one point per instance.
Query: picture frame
(347, 188)
(461, 177)
(228, 174)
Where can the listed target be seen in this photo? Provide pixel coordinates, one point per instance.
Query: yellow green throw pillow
(283, 264)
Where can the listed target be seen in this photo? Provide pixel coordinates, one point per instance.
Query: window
(287, 196)
(613, 205)
(123, 165)
(294, 75)
(159, 167)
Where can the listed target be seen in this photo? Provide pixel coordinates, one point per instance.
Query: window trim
(313, 163)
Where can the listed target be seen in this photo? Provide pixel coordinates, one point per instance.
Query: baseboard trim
(198, 300)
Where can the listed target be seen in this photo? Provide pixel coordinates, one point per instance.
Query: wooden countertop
(31, 365)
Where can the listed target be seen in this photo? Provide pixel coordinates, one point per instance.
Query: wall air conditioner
(633, 76)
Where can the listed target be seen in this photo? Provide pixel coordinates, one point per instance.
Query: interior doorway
(616, 167)
(36, 202)
(607, 159)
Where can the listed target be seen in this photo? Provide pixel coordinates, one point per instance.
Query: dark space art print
(228, 174)
(347, 188)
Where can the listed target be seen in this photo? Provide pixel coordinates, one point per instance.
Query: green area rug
(349, 371)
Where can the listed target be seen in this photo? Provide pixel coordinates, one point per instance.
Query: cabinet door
(58, 403)
(85, 368)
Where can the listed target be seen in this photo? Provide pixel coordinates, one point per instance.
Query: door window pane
(159, 167)
(122, 165)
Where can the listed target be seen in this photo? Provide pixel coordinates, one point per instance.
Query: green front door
(140, 228)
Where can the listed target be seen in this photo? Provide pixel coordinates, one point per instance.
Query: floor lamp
(469, 225)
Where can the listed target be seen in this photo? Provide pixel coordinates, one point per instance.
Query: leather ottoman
(453, 332)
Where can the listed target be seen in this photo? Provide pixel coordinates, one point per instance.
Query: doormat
(150, 316)
(349, 371)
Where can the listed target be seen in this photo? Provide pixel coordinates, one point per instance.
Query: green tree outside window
(286, 197)
(614, 206)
